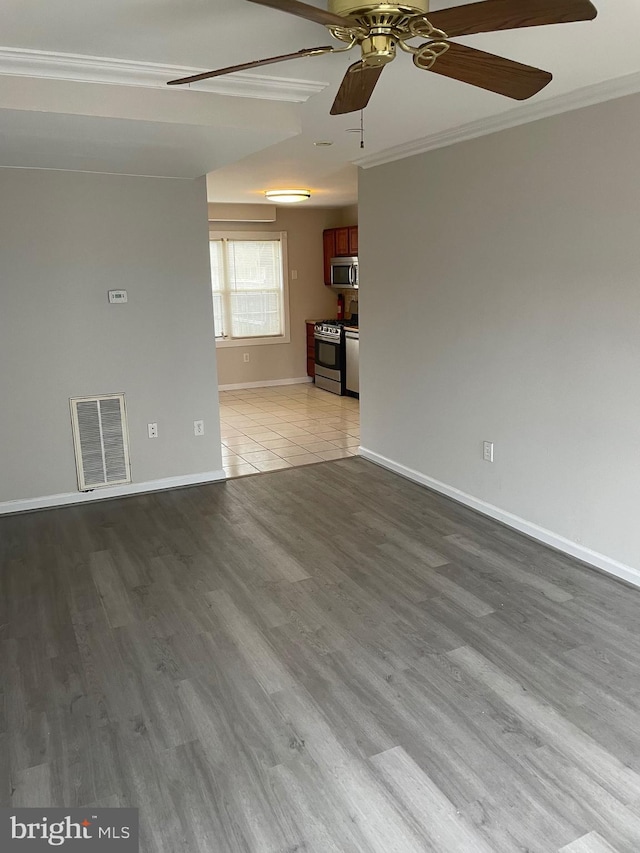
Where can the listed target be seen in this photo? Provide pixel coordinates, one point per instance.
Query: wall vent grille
(100, 440)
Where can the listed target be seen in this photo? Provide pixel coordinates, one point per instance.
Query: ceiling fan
(378, 29)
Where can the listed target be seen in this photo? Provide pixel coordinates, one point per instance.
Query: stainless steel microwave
(344, 272)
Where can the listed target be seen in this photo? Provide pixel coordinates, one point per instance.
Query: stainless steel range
(330, 355)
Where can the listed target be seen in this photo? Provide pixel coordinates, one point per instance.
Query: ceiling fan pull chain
(360, 129)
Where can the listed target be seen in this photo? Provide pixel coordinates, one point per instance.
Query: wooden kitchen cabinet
(342, 242)
(353, 240)
(329, 247)
(338, 243)
(311, 350)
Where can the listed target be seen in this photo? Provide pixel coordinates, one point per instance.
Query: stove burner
(339, 323)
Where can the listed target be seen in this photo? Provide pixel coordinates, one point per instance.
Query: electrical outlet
(152, 430)
(198, 427)
(487, 451)
(245, 356)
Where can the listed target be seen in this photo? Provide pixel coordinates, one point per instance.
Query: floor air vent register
(100, 440)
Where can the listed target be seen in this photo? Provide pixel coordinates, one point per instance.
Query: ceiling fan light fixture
(288, 196)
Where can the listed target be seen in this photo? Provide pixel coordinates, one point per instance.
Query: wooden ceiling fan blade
(356, 88)
(311, 13)
(206, 75)
(493, 15)
(487, 71)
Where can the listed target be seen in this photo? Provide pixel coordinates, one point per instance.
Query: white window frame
(280, 236)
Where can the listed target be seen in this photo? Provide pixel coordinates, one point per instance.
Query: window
(250, 296)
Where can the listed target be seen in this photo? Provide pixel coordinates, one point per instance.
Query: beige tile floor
(265, 429)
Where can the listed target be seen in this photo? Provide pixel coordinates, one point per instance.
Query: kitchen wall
(509, 311)
(308, 296)
(346, 216)
(66, 238)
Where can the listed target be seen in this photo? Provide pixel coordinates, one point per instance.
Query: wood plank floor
(326, 659)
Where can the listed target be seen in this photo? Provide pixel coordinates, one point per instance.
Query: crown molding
(124, 72)
(585, 97)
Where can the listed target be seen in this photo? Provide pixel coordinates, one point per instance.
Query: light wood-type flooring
(324, 659)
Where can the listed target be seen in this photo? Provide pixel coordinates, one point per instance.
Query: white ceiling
(271, 143)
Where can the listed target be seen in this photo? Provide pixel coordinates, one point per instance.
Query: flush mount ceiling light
(287, 196)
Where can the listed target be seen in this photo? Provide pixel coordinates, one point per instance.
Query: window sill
(253, 342)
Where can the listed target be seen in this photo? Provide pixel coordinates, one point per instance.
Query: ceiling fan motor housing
(378, 49)
(379, 20)
(378, 12)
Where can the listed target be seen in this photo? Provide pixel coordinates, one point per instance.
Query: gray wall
(65, 239)
(507, 270)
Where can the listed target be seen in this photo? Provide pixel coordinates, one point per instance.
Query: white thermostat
(116, 296)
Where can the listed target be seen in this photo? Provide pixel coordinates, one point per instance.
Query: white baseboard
(65, 499)
(265, 383)
(548, 537)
